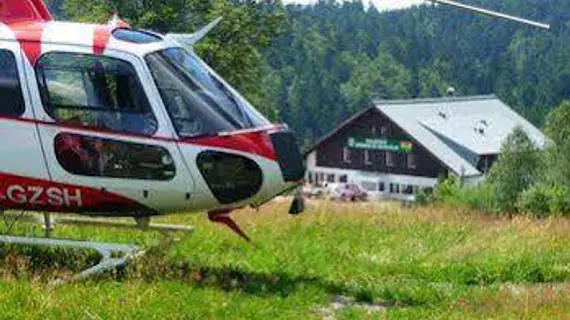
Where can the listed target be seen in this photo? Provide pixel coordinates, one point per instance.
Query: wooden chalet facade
(396, 147)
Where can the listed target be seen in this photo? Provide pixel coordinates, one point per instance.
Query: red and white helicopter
(106, 120)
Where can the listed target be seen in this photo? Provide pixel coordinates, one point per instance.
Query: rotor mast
(491, 13)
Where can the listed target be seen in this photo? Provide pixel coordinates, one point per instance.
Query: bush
(452, 192)
(423, 197)
(534, 200)
(447, 189)
(559, 199)
(515, 171)
(543, 200)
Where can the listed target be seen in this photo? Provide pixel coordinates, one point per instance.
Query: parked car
(346, 192)
(311, 191)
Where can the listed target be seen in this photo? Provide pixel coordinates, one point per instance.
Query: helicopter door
(22, 164)
(100, 130)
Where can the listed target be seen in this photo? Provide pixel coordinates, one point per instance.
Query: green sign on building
(380, 144)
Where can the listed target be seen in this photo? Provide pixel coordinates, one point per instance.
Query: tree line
(334, 58)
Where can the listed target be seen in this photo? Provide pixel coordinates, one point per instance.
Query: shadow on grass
(41, 264)
(44, 265)
(153, 268)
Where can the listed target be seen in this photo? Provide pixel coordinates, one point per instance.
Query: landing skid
(112, 255)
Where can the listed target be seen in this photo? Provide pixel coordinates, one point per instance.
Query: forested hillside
(314, 66)
(334, 58)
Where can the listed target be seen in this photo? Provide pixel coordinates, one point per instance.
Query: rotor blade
(492, 13)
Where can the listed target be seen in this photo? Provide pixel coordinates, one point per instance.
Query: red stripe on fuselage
(256, 141)
(102, 34)
(19, 192)
(101, 38)
(87, 129)
(29, 35)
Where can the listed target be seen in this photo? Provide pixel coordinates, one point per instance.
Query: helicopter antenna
(491, 13)
(190, 39)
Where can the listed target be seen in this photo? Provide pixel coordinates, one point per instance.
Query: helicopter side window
(94, 91)
(99, 157)
(11, 100)
(135, 36)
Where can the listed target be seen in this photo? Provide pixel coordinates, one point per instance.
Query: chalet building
(396, 147)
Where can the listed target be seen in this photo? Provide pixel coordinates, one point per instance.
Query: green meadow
(336, 261)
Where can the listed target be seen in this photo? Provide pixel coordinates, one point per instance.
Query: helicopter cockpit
(103, 92)
(198, 101)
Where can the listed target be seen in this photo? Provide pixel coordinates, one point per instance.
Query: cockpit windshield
(198, 101)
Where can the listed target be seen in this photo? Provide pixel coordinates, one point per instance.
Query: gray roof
(458, 129)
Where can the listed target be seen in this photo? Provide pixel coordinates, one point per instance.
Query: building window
(94, 91)
(383, 131)
(408, 190)
(331, 178)
(485, 163)
(12, 102)
(99, 157)
(389, 159)
(369, 186)
(367, 158)
(343, 178)
(411, 160)
(381, 187)
(394, 188)
(373, 130)
(346, 155)
(310, 176)
(318, 178)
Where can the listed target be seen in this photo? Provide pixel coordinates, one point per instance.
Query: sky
(380, 4)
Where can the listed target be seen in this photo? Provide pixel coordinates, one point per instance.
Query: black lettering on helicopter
(37, 195)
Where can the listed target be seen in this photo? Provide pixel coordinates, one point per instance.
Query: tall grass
(418, 263)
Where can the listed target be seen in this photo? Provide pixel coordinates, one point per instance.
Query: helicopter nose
(288, 156)
(291, 166)
(269, 164)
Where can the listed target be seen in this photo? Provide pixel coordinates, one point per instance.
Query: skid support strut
(112, 255)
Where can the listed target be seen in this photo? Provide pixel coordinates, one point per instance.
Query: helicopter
(107, 120)
(112, 121)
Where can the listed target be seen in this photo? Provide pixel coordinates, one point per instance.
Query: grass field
(428, 263)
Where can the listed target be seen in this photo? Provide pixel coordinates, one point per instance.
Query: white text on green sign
(380, 144)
